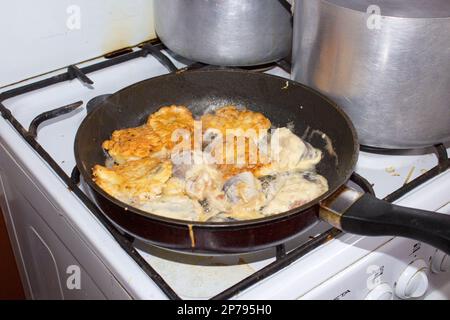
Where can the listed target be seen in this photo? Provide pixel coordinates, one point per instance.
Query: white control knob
(381, 292)
(440, 262)
(413, 282)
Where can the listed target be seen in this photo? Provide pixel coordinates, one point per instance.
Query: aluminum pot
(225, 32)
(386, 62)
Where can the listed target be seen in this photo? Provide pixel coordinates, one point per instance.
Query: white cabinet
(54, 261)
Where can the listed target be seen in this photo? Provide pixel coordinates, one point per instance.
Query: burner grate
(283, 258)
(30, 136)
(442, 166)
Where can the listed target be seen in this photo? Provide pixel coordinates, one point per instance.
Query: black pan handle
(367, 215)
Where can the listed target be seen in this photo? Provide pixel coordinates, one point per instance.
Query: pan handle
(362, 213)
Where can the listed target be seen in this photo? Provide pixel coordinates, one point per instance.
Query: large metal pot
(225, 32)
(387, 65)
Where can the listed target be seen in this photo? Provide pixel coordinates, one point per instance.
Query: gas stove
(67, 249)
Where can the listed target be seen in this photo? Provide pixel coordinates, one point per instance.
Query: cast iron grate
(283, 258)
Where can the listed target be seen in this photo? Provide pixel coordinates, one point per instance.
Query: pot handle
(362, 213)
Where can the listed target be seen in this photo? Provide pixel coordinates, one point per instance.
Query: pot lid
(400, 8)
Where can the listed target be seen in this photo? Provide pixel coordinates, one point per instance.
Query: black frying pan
(282, 102)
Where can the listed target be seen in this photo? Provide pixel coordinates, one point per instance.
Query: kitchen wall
(44, 35)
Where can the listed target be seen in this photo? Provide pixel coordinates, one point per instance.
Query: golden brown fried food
(290, 153)
(229, 170)
(230, 117)
(168, 119)
(249, 159)
(134, 182)
(133, 144)
(174, 187)
(199, 190)
(247, 125)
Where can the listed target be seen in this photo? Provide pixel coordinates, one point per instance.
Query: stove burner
(377, 150)
(283, 64)
(394, 152)
(259, 68)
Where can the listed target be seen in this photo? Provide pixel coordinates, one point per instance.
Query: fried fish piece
(230, 117)
(242, 127)
(174, 187)
(175, 207)
(289, 153)
(168, 119)
(134, 182)
(292, 190)
(230, 170)
(133, 144)
(241, 156)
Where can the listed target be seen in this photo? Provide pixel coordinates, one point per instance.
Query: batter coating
(151, 174)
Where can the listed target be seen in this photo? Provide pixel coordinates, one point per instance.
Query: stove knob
(413, 282)
(381, 292)
(440, 262)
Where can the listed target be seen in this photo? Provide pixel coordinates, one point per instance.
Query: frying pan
(316, 118)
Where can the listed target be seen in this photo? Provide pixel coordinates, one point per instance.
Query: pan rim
(222, 225)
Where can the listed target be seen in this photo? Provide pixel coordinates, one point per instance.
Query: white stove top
(200, 277)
